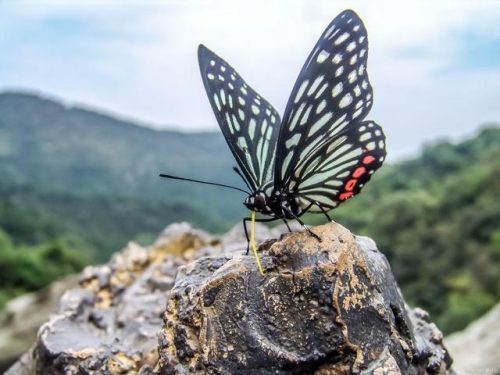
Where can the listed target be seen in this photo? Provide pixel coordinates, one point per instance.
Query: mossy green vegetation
(29, 268)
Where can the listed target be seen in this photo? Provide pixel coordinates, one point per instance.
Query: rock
(329, 307)
(23, 315)
(476, 349)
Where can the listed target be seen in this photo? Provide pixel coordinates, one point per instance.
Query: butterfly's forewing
(249, 123)
(330, 99)
(341, 167)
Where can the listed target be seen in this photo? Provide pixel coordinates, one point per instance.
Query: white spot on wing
(357, 90)
(236, 123)
(321, 90)
(292, 142)
(337, 89)
(345, 101)
(365, 137)
(321, 106)
(315, 85)
(223, 97)
(320, 123)
(351, 46)
(357, 113)
(329, 31)
(251, 128)
(304, 118)
(322, 56)
(296, 115)
(301, 90)
(352, 76)
(217, 103)
(341, 39)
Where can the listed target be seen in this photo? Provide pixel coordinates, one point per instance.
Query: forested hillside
(70, 168)
(77, 185)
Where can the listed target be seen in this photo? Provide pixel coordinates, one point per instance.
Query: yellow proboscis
(254, 248)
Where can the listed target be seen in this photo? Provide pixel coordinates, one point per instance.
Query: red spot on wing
(351, 184)
(359, 172)
(344, 196)
(368, 159)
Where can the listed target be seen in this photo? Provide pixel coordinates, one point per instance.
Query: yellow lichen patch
(91, 284)
(121, 364)
(183, 244)
(388, 367)
(104, 299)
(84, 353)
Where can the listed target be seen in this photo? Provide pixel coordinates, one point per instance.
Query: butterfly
(323, 151)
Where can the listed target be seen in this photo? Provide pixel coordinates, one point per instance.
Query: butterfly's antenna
(236, 169)
(203, 182)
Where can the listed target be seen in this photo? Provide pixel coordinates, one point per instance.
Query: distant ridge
(93, 179)
(52, 146)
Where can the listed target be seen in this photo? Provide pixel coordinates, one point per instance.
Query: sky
(434, 65)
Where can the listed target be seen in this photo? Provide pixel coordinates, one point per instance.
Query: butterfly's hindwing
(249, 123)
(331, 96)
(339, 169)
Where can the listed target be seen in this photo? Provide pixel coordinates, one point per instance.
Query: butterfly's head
(256, 202)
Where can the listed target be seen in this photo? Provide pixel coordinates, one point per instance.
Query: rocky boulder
(193, 303)
(476, 349)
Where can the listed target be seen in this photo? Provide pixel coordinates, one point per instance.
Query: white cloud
(138, 59)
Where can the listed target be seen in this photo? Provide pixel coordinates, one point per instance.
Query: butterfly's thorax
(277, 203)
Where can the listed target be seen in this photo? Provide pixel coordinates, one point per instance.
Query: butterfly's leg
(287, 210)
(247, 219)
(288, 226)
(323, 210)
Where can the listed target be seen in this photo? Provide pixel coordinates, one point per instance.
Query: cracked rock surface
(193, 303)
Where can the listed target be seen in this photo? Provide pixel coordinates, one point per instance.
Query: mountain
(57, 148)
(58, 162)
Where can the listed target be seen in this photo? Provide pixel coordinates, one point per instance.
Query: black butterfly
(323, 152)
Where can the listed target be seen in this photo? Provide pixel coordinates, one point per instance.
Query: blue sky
(434, 65)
